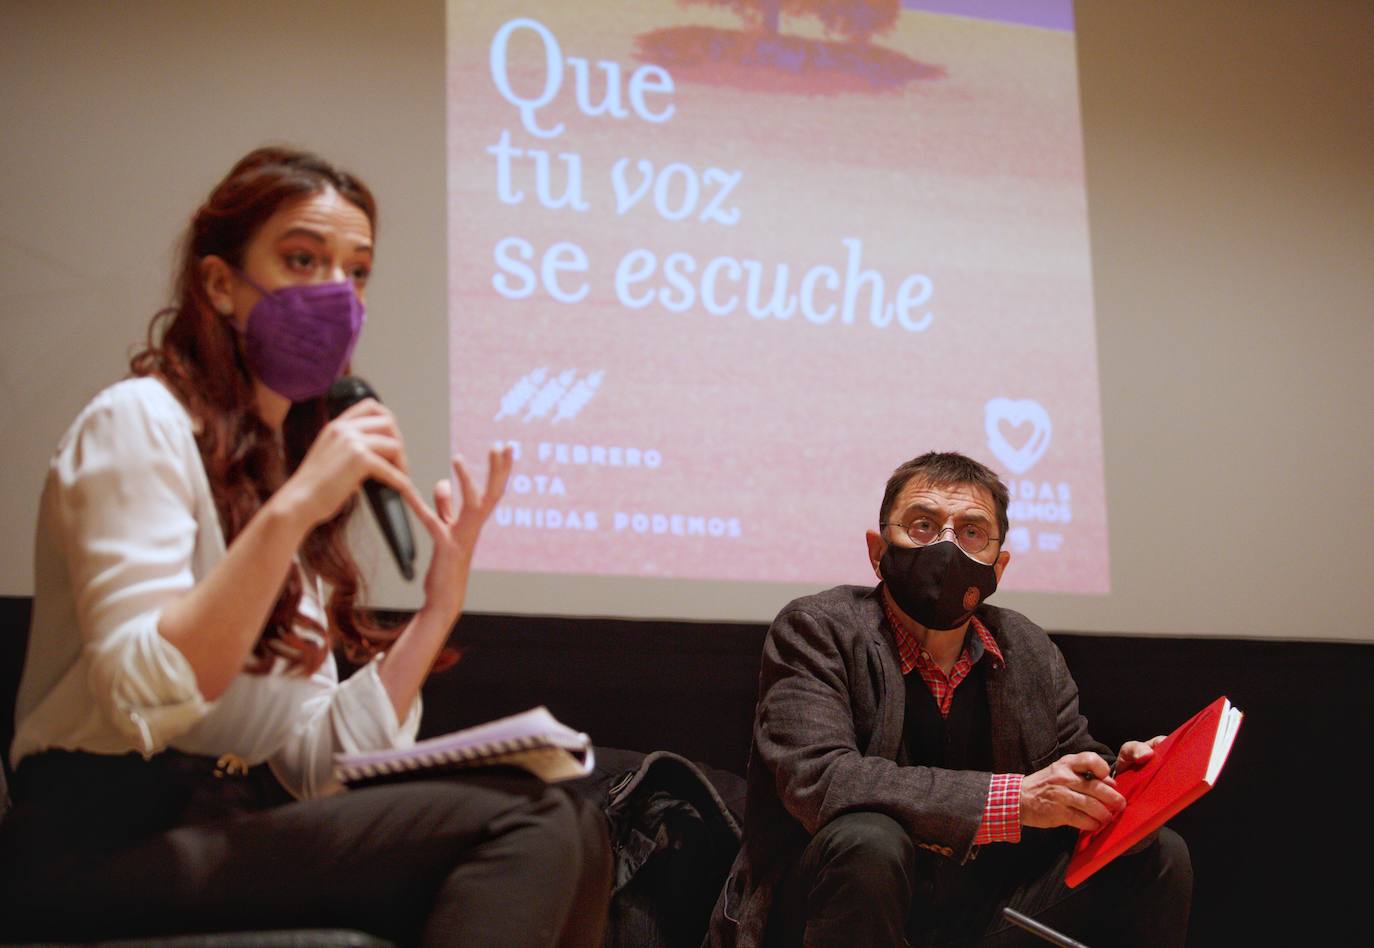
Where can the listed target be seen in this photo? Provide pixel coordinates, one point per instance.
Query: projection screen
(716, 268)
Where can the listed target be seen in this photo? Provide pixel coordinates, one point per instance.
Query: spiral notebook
(533, 740)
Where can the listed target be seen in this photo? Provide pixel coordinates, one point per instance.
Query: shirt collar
(978, 644)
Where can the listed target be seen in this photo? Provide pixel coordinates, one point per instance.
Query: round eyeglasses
(972, 538)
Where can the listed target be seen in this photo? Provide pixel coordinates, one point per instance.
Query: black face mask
(938, 585)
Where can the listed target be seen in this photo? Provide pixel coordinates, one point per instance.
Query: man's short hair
(948, 469)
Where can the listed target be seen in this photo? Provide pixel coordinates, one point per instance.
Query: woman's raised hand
(364, 442)
(455, 524)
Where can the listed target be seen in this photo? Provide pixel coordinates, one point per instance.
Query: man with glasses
(919, 761)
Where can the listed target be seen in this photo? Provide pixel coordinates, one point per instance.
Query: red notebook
(1185, 765)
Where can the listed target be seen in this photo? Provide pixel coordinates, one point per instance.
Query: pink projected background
(715, 277)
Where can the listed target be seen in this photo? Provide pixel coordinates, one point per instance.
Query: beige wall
(1229, 153)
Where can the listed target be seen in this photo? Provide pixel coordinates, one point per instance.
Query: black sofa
(1269, 843)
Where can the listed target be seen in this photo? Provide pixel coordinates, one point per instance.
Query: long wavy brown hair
(196, 352)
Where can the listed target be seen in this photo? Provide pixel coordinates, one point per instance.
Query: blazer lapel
(887, 733)
(1009, 753)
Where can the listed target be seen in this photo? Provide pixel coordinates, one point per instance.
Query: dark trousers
(99, 846)
(862, 881)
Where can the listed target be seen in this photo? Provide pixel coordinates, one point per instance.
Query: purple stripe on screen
(1048, 14)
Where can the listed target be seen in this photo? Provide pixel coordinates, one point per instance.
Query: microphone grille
(347, 391)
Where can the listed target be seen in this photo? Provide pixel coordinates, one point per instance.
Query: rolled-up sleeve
(348, 717)
(121, 497)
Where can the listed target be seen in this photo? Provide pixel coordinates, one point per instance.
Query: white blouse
(126, 525)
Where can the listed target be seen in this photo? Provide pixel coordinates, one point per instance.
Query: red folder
(1185, 765)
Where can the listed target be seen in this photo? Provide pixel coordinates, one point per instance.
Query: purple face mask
(299, 338)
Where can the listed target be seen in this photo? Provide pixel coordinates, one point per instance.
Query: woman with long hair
(180, 705)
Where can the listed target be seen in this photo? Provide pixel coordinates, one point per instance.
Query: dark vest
(962, 741)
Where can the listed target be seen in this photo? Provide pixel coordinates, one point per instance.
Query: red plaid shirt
(1002, 812)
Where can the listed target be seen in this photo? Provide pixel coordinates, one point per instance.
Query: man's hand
(1076, 790)
(1134, 753)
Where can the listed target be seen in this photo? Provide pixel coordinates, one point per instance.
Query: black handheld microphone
(386, 502)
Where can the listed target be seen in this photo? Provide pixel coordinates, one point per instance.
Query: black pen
(1089, 775)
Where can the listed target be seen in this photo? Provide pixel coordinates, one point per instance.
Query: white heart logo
(1017, 415)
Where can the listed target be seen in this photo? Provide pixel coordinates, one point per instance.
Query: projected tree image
(855, 20)
(765, 54)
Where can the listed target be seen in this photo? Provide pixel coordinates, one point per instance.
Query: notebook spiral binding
(479, 752)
